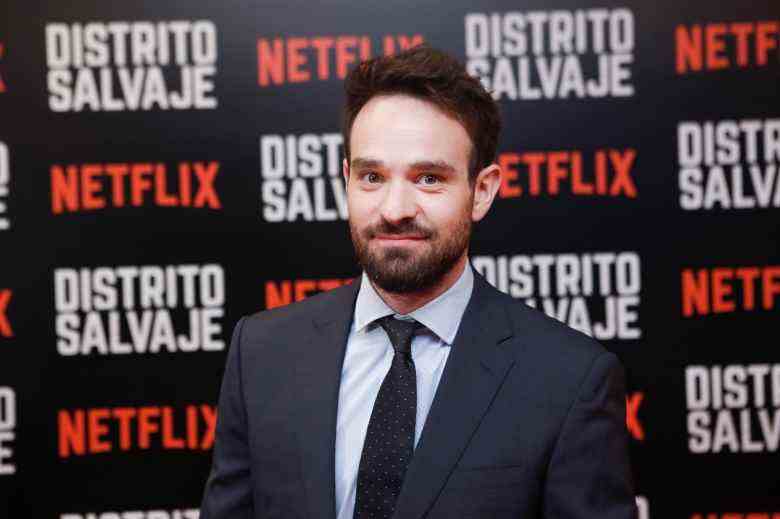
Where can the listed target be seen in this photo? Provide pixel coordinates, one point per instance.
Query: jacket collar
(442, 315)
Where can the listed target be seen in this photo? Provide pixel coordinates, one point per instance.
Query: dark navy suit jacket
(528, 420)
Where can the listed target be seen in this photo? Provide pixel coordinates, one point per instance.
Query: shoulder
(295, 315)
(552, 345)
(272, 340)
(566, 362)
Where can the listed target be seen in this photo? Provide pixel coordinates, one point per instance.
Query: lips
(398, 237)
(396, 240)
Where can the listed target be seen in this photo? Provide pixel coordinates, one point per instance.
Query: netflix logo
(726, 45)
(719, 290)
(634, 426)
(5, 322)
(602, 173)
(320, 58)
(79, 188)
(84, 432)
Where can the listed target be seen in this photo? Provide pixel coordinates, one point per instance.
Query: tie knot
(400, 332)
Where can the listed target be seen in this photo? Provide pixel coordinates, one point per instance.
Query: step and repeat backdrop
(167, 167)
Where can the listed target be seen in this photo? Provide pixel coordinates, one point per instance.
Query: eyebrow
(428, 165)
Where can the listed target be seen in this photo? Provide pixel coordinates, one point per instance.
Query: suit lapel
(318, 375)
(474, 371)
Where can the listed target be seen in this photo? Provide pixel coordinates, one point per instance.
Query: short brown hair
(434, 76)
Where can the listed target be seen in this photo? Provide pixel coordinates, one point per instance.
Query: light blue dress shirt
(367, 360)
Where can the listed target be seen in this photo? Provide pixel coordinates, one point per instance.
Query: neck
(410, 301)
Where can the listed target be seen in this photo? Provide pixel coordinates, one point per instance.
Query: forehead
(400, 129)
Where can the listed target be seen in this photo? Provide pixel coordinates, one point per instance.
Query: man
(419, 390)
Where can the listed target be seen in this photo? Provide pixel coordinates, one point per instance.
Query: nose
(399, 202)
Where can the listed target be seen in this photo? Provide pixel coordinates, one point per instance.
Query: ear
(345, 171)
(485, 188)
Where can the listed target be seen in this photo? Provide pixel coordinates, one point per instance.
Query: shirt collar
(441, 315)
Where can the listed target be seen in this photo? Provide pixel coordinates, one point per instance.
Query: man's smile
(399, 239)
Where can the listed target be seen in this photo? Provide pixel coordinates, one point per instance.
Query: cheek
(449, 213)
(451, 206)
(360, 205)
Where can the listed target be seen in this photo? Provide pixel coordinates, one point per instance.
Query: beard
(401, 269)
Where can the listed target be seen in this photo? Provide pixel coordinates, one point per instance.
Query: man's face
(409, 198)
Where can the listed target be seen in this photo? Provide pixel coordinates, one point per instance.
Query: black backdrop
(113, 167)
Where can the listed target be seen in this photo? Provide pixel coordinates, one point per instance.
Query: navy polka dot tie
(389, 440)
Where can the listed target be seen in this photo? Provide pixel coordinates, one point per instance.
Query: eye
(370, 177)
(429, 179)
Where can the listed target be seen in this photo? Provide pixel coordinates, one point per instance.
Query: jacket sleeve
(589, 474)
(228, 492)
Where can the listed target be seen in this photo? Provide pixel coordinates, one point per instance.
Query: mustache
(404, 228)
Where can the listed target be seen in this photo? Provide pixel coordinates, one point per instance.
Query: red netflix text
(5, 323)
(721, 290)
(89, 187)
(549, 173)
(718, 46)
(301, 60)
(634, 426)
(84, 432)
